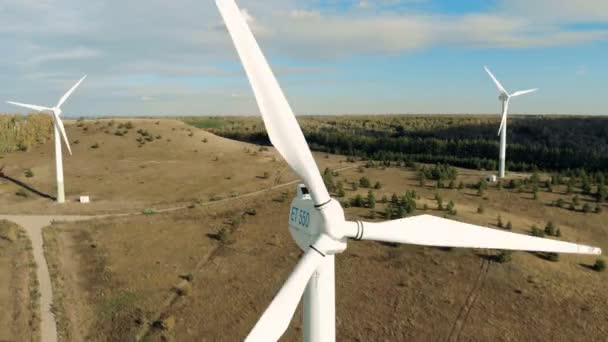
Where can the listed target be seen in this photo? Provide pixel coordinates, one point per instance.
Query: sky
(170, 58)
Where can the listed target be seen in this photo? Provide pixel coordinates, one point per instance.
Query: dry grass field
(207, 272)
(18, 286)
(180, 165)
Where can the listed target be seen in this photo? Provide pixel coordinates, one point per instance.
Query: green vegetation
(600, 265)
(20, 133)
(465, 141)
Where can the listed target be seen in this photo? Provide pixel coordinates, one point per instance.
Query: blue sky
(153, 57)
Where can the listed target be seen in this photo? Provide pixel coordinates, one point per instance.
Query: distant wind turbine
(505, 97)
(59, 132)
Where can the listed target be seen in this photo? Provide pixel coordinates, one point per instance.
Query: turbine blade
(66, 95)
(29, 106)
(281, 124)
(59, 125)
(523, 92)
(503, 121)
(275, 320)
(429, 230)
(498, 85)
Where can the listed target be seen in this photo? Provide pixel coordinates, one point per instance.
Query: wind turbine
(505, 97)
(317, 222)
(59, 132)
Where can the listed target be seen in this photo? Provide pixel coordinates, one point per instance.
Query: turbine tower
(505, 98)
(59, 133)
(317, 222)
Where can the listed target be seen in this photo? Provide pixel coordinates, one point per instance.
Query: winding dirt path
(33, 226)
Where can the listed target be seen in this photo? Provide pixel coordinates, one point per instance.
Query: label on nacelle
(299, 217)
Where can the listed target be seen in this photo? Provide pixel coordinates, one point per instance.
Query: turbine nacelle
(503, 97)
(307, 223)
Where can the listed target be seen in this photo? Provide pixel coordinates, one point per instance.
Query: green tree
(371, 200)
(364, 182)
(550, 228)
(439, 201)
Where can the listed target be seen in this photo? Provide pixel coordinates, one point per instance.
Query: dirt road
(33, 226)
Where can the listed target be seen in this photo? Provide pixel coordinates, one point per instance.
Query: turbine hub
(307, 223)
(503, 97)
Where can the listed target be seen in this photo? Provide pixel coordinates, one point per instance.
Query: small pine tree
(503, 256)
(340, 190)
(550, 229)
(451, 208)
(499, 223)
(460, 185)
(509, 226)
(394, 198)
(480, 209)
(600, 265)
(558, 232)
(598, 209)
(537, 231)
(439, 201)
(553, 257)
(575, 200)
(371, 200)
(586, 208)
(364, 182)
(377, 186)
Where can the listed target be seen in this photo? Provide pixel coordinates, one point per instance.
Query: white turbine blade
(59, 125)
(65, 97)
(275, 320)
(523, 92)
(281, 124)
(29, 106)
(498, 85)
(503, 121)
(434, 231)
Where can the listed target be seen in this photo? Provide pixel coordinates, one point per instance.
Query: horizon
(330, 57)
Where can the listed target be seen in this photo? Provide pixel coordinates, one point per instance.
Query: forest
(551, 143)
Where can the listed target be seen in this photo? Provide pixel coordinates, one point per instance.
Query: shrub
(586, 208)
(550, 229)
(22, 193)
(95, 146)
(503, 256)
(553, 257)
(598, 209)
(480, 209)
(509, 226)
(439, 201)
(149, 211)
(451, 208)
(499, 222)
(377, 186)
(371, 200)
(600, 265)
(364, 182)
(29, 173)
(537, 231)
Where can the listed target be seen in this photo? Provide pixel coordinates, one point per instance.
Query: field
(207, 268)
(18, 286)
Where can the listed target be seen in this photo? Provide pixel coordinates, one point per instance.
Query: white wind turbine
(317, 222)
(59, 129)
(505, 97)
